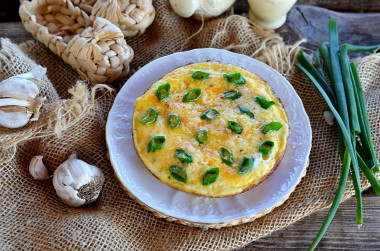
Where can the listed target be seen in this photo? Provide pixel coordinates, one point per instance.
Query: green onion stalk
(347, 103)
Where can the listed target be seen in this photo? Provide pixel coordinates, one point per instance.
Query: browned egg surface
(208, 154)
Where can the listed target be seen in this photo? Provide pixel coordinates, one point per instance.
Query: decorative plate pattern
(188, 209)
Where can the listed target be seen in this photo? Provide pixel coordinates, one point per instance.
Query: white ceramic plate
(190, 209)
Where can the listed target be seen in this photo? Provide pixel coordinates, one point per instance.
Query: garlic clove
(14, 119)
(20, 88)
(329, 117)
(77, 182)
(200, 9)
(212, 8)
(14, 102)
(184, 8)
(36, 73)
(18, 100)
(37, 168)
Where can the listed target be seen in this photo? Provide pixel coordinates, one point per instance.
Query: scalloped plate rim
(188, 55)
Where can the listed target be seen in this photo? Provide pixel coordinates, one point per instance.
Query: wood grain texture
(241, 6)
(343, 232)
(15, 31)
(312, 23)
(9, 8)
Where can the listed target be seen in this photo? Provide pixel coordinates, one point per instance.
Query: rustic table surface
(359, 23)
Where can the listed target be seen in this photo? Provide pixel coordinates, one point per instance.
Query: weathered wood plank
(9, 8)
(15, 31)
(241, 6)
(312, 23)
(341, 234)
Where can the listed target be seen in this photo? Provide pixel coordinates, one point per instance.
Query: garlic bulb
(329, 117)
(76, 182)
(37, 168)
(18, 100)
(200, 8)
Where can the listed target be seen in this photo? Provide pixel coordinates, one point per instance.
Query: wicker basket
(95, 48)
(132, 16)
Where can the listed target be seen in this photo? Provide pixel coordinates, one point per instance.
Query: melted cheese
(207, 155)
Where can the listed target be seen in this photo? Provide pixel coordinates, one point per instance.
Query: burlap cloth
(33, 218)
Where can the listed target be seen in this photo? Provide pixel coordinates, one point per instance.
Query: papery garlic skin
(18, 102)
(77, 182)
(37, 168)
(200, 8)
(14, 119)
(329, 117)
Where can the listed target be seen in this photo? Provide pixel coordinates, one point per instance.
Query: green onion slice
(173, 121)
(235, 126)
(266, 146)
(192, 95)
(210, 114)
(246, 165)
(226, 156)
(156, 143)
(201, 136)
(183, 155)
(200, 75)
(246, 112)
(210, 176)
(178, 173)
(234, 78)
(150, 116)
(271, 127)
(233, 94)
(264, 103)
(163, 91)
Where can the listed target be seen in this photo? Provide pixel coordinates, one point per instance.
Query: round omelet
(210, 129)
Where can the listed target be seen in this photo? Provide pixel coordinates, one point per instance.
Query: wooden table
(358, 28)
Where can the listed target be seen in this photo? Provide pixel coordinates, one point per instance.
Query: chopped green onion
(156, 143)
(246, 165)
(163, 91)
(183, 155)
(266, 146)
(178, 173)
(226, 156)
(264, 103)
(210, 176)
(210, 114)
(173, 121)
(233, 94)
(150, 116)
(235, 126)
(192, 95)
(271, 127)
(246, 111)
(201, 136)
(234, 78)
(200, 75)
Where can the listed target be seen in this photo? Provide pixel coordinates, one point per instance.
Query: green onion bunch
(345, 99)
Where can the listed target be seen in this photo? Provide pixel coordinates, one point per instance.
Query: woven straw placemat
(33, 218)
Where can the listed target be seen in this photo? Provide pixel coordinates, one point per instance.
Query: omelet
(210, 129)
